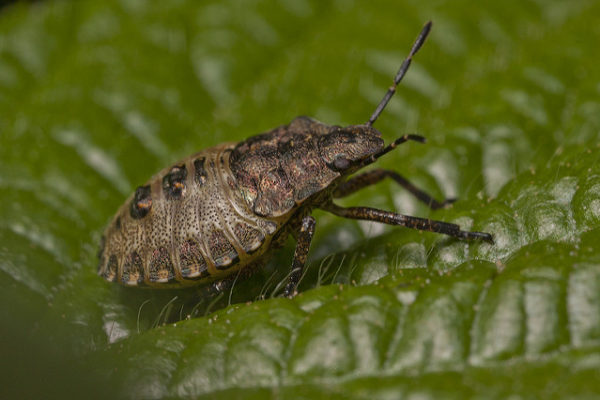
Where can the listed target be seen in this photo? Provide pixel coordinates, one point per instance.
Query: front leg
(307, 229)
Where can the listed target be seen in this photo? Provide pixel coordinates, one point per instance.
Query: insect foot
(218, 214)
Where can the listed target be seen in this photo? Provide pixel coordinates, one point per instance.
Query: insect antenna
(373, 157)
(401, 72)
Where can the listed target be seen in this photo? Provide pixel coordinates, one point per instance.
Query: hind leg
(391, 218)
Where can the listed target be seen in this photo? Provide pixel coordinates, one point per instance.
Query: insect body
(225, 208)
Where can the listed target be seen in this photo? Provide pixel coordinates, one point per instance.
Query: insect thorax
(279, 170)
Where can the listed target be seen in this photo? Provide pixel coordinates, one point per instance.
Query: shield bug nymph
(226, 208)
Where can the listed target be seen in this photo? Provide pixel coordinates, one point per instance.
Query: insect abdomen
(188, 225)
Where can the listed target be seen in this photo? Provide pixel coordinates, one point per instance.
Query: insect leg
(307, 229)
(391, 218)
(374, 176)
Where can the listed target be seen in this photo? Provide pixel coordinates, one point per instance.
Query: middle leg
(307, 229)
(374, 176)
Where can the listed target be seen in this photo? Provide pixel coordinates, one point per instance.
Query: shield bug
(226, 208)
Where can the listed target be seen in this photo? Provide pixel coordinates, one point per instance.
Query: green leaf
(95, 97)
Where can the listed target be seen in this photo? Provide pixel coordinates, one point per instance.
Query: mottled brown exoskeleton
(225, 208)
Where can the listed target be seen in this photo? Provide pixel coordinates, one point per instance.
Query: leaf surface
(95, 97)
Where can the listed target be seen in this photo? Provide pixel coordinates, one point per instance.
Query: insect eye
(174, 182)
(142, 202)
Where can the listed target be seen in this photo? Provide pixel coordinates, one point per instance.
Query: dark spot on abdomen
(199, 171)
(142, 202)
(174, 182)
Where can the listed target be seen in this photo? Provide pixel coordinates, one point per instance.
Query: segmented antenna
(401, 72)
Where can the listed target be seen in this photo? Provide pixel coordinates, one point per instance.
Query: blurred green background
(95, 97)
